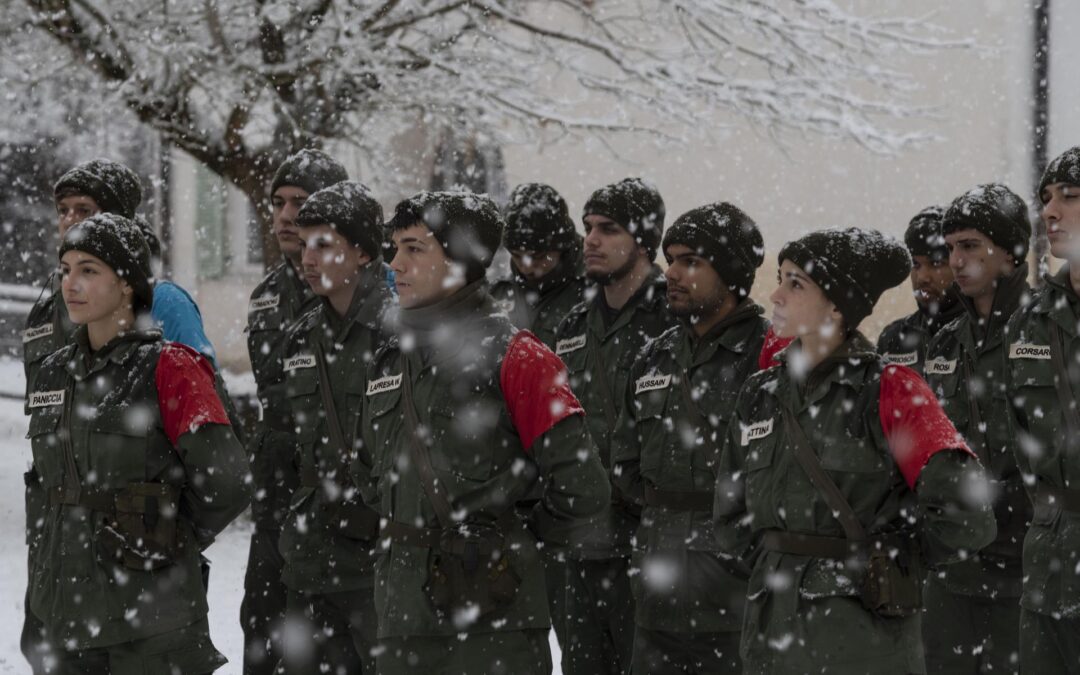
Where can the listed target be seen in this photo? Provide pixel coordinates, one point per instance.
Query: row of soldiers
(684, 488)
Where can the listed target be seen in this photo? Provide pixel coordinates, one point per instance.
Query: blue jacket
(179, 318)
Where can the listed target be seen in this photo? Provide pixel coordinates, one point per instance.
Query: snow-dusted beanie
(538, 220)
(117, 241)
(349, 208)
(997, 212)
(152, 241)
(114, 187)
(310, 170)
(1064, 169)
(923, 235)
(852, 266)
(726, 237)
(635, 205)
(468, 226)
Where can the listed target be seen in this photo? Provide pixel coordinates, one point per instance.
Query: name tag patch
(756, 431)
(388, 383)
(940, 366)
(300, 361)
(1018, 350)
(44, 399)
(264, 303)
(908, 359)
(37, 332)
(652, 382)
(570, 344)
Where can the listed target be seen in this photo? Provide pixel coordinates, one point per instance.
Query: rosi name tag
(651, 382)
(388, 383)
(908, 359)
(300, 361)
(1019, 350)
(756, 431)
(37, 332)
(44, 399)
(264, 303)
(570, 344)
(940, 367)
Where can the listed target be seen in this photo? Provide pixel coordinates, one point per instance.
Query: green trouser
(263, 607)
(522, 652)
(555, 584)
(1048, 645)
(186, 651)
(969, 634)
(333, 633)
(599, 617)
(658, 652)
(31, 639)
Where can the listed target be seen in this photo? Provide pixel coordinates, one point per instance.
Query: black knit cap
(923, 235)
(119, 243)
(726, 237)
(114, 187)
(468, 225)
(997, 212)
(852, 266)
(1065, 168)
(538, 220)
(310, 170)
(634, 204)
(152, 241)
(351, 209)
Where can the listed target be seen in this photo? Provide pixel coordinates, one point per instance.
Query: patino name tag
(651, 382)
(264, 303)
(388, 383)
(940, 367)
(570, 344)
(1018, 350)
(908, 359)
(756, 431)
(300, 361)
(37, 332)
(44, 399)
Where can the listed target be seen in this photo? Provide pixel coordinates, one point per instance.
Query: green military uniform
(904, 341)
(964, 368)
(483, 454)
(116, 578)
(276, 303)
(328, 535)
(540, 308)
(803, 607)
(687, 592)
(1046, 452)
(599, 347)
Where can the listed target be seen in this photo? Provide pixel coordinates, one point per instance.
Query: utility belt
(679, 500)
(352, 518)
(1066, 499)
(140, 529)
(470, 565)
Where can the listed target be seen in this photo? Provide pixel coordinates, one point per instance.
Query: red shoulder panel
(536, 388)
(186, 394)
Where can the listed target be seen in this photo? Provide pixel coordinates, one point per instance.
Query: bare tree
(239, 84)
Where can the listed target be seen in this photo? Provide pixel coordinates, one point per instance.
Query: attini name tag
(756, 431)
(388, 383)
(44, 399)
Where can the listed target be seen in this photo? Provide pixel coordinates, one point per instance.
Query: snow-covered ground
(228, 555)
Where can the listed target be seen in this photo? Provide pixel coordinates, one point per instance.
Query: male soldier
(905, 340)
(278, 301)
(545, 257)
(599, 341)
(972, 617)
(1043, 378)
(328, 535)
(462, 414)
(688, 595)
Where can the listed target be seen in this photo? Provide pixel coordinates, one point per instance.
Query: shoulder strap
(1066, 399)
(333, 422)
(421, 453)
(808, 460)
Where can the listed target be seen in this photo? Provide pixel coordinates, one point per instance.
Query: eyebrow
(411, 240)
(796, 275)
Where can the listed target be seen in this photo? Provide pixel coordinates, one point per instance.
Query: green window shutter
(210, 235)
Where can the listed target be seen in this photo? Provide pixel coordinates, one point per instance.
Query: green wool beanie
(310, 170)
(634, 204)
(726, 237)
(351, 209)
(923, 235)
(119, 243)
(114, 187)
(1065, 168)
(538, 220)
(997, 212)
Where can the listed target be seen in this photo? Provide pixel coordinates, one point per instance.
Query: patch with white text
(570, 344)
(756, 431)
(651, 382)
(44, 399)
(383, 384)
(1019, 350)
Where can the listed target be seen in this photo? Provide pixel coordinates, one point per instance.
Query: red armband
(772, 346)
(186, 394)
(913, 422)
(536, 388)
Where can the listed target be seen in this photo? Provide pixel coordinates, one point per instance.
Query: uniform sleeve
(536, 388)
(772, 346)
(915, 426)
(626, 444)
(180, 320)
(729, 496)
(186, 394)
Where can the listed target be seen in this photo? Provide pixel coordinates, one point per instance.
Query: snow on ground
(228, 555)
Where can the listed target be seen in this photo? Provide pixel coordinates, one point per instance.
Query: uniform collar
(369, 303)
(844, 366)
(653, 291)
(1060, 301)
(115, 351)
(733, 333)
(1007, 298)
